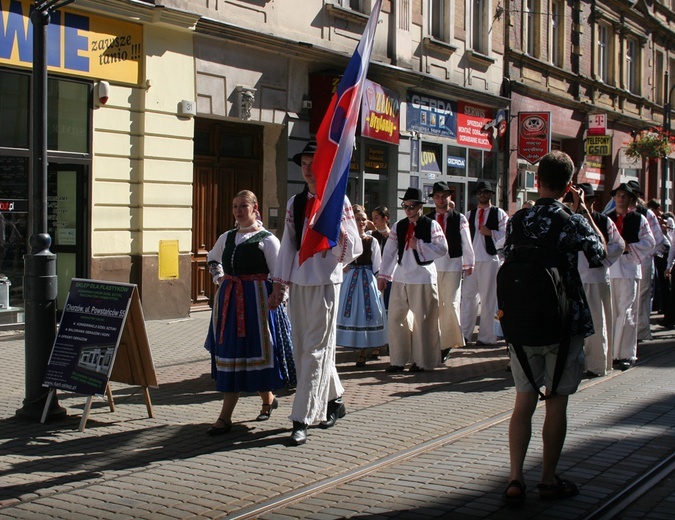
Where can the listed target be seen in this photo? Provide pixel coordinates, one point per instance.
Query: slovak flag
(334, 147)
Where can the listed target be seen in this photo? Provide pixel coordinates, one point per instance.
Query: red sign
(380, 110)
(471, 119)
(534, 135)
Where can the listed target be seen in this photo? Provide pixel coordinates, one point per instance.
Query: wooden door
(218, 177)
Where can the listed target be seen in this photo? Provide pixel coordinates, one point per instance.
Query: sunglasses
(409, 206)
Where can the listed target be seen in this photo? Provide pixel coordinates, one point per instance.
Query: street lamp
(40, 281)
(667, 107)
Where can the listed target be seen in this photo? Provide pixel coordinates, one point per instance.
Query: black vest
(422, 232)
(245, 258)
(451, 232)
(631, 226)
(601, 221)
(491, 222)
(299, 205)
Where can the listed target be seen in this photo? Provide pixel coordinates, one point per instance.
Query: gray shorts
(542, 362)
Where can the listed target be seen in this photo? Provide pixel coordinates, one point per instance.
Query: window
(356, 5)
(14, 109)
(603, 53)
(557, 32)
(478, 20)
(658, 77)
(631, 66)
(528, 26)
(438, 26)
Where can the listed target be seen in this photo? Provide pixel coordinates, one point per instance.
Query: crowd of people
(416, 287)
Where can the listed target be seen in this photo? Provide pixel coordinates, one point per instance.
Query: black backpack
(533, 305)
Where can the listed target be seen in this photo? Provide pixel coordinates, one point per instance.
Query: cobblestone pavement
(430, 444)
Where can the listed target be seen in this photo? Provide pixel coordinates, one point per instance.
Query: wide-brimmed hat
(441, 186)
(483, 186)
(623, 187)
(587, 188)
(413, 195)
(310, 149)
(635, 186)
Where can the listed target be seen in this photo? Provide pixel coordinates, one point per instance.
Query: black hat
(635, 186)
(310, 149)
(413, 195)
(587, 188)
(623, 187)
(483, 186)
(441, 186)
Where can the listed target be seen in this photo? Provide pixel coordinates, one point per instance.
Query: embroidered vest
(422, 232)
(491, 222)
(451, 232)
(245, 258)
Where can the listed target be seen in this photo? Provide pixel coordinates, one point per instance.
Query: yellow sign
(168, 260)
(599, 145)
(78, 44)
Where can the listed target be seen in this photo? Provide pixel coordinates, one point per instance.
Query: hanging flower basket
(650, 143)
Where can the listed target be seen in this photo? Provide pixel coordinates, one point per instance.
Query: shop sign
(597, 124)
(78, 44)
(534, 135)
(456, 162)
(380, 109)
(593, 172)
(14, 206)
(430, 162)
(376, 159)
(431, 115)
(471, 121)
(599, 145)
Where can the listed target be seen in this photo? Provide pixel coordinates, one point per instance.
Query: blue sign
(430, 115)
(456, 162)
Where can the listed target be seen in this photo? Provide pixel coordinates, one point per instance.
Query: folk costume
(449, 270)
(624, 276)
(647, 267)
(413, 290)
(361, 320)
(250, 346)
(481, 286)
(313, 300)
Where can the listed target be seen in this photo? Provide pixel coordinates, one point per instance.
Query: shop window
(376, 160)
(14, 106)
(431, 158)
(456, 161)
(68, 123)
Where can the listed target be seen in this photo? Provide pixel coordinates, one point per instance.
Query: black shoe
(394, 368)
(267, 410)
(590, 375)
(336, 410)
(219, 430)
(415, 368)
(625, 364)
(299, 435)
(445, 354)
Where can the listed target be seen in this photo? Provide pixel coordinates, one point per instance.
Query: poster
(88, 337)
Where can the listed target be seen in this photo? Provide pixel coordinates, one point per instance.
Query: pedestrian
(487, 225)
(250, 344)
(380, 220)
(661, 292)
(361, 321)
(408, 261)
(577, 234)
(313, 300)
(625, 274)
(644, 305)
(452, 267)
(597, 347)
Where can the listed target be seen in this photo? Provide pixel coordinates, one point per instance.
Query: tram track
(606, 510)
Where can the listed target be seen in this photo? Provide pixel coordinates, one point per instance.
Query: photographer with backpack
(545, 317)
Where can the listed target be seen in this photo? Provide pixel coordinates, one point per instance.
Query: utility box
(4, 292)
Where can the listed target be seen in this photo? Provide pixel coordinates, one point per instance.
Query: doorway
(228, 159)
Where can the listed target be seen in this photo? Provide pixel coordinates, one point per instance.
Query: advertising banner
(534, 135)
(380, 110)
(430, 115)
(471, 119)
(78, 43)
(89, 334)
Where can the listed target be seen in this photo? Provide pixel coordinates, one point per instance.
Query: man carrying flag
(320, 236)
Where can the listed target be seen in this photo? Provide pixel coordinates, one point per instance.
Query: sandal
(375, 354)
(361, 361)
(266, 410)
(219, 430)
(561, 489)
(514, 500)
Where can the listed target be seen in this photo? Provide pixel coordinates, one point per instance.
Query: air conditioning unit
(526, 179)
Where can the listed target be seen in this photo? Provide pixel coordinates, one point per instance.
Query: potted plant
(649, 143)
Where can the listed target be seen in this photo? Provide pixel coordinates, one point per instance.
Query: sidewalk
(126, 465)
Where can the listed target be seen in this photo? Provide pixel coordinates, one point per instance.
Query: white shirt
(446, 264)
(481, 255)
(615, 248)
(324, 267)
(268, 245)
(628, 265)
(409, 271)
